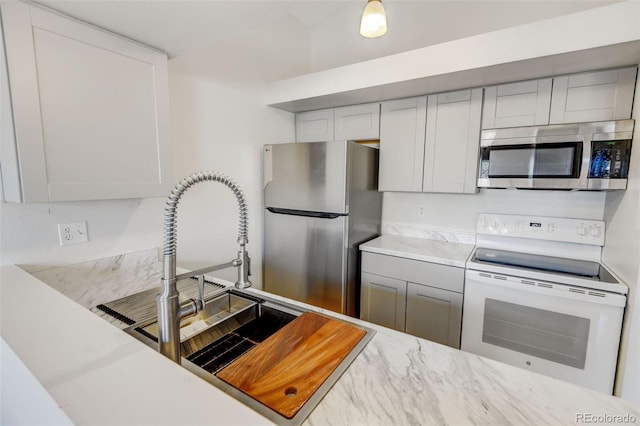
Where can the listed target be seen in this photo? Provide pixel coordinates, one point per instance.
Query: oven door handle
(546, 288)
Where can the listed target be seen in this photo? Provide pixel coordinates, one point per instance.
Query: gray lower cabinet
(383, 301)
(420, 298)
(434, 314)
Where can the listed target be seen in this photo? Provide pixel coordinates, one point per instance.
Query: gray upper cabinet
(90, 111)
(524, 103)
(402, 133)
(314, 126)
(452, 142)
(430, 144)
(358, 123)
(593, 96)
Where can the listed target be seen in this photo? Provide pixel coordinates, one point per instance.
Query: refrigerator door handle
(321, 215)
(268, 166)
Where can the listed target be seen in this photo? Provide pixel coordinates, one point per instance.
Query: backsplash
(458, 213)
(449, 236)
(96, 281)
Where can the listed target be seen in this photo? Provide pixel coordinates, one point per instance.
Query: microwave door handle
(586, 160)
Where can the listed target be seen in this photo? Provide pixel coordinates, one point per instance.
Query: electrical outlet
(72, 233)
(421, 210)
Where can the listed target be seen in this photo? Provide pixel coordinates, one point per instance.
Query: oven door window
(544, 334)
(551, 160)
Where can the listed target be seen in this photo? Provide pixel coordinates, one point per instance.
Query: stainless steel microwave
(579, 156)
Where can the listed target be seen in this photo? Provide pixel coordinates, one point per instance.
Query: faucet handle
(244, 269)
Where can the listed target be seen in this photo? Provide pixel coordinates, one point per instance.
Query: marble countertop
(98, 374)
(425, 249)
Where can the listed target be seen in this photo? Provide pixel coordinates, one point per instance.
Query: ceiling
(179, 26)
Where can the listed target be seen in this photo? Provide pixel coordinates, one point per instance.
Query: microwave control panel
(569, 230)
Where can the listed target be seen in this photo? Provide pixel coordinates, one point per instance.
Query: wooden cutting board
(285, 370)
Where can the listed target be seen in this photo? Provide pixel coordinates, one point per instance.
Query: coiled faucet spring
(170, 227)
(169, 310)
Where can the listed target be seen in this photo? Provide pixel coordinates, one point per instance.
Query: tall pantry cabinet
(89, 109)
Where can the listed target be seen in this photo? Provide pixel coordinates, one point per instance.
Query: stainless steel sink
(233, 322)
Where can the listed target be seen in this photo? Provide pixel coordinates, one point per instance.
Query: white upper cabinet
(314, 126)
(90, 111)
(525, 103)
(593, 96)
(452, 142)
(357, 122)
(402, 133)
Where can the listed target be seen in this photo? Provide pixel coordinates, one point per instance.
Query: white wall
(220, 122)
(459, 212)
(622, 254)
(29, 232)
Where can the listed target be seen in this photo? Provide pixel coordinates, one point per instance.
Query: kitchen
(201, 88)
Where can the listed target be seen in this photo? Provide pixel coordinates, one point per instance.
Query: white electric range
(537, 296)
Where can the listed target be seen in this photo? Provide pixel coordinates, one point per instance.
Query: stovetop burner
(574, 267)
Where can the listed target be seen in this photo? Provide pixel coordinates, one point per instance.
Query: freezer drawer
(305, 259)
(306, 176)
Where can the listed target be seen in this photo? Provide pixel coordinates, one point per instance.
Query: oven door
(549, 328)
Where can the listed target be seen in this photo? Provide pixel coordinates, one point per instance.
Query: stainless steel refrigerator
(321, 201)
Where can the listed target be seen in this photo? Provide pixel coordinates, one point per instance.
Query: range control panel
(583, 231)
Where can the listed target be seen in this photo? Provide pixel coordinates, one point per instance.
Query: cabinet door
(358, 122)
(434, 314)
(452, 141)
(524, 103)
(9, 172)
(402, 133)
(382, 300)
(593, 96)
(315, 126)
(90, 109)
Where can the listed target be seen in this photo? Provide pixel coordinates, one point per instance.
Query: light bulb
(374, 20)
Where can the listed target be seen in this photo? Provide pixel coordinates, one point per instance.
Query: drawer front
(432, 274)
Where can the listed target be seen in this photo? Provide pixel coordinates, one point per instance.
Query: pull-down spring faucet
(169, 310)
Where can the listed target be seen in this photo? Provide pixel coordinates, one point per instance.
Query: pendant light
(374, 20)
